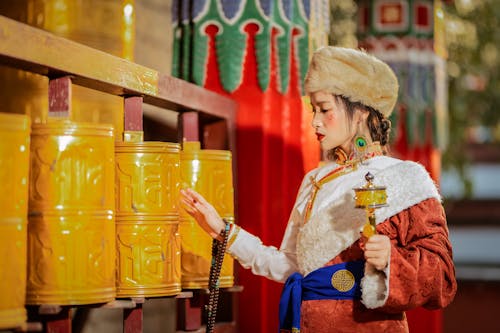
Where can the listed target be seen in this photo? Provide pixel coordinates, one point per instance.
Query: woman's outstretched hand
(202, 211)
(377, 251)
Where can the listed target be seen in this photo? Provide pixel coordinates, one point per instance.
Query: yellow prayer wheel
(147, 219)
(370, 198)
(209, 172)
(71, 230)
(14, 173)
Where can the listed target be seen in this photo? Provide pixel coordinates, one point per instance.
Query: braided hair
(380, 127)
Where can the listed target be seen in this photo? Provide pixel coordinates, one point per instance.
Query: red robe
(420, 261)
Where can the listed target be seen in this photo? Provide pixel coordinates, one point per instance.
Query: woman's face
(330, 121)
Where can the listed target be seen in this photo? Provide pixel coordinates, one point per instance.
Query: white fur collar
(335, 224)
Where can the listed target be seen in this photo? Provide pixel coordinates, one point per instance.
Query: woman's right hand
(202, 211)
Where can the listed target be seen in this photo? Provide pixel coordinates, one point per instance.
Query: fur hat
(353, 74)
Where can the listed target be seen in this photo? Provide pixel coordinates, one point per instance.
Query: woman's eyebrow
(321, 102)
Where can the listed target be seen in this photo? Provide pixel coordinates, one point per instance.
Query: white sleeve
(268, 261)
(263, 260)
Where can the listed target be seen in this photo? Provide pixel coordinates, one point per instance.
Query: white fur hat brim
(353, 74)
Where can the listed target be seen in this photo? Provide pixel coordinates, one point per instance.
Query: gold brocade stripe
(233, 236)
(372, 150)
(317, 185)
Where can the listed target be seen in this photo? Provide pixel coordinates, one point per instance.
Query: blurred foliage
(473, 42)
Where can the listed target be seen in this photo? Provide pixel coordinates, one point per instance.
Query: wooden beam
(58, 323)
(60, 97)
(53, 56)
(189, 127)
(132, 113)
(132, 320)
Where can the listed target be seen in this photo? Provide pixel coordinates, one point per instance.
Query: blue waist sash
(340, 281)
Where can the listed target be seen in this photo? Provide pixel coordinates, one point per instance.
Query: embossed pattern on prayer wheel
(14, 174)
(147, 219)
(370, 197)
(71, 231)
(209, 172)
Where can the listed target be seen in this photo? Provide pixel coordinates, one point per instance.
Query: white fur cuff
(375, 287)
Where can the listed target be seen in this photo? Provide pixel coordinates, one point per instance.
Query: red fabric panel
(421, 320)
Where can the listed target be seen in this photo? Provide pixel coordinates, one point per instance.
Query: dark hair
(380, 127)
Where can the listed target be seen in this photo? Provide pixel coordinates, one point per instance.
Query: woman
(337, 280)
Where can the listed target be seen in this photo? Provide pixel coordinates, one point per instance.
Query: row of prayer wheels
(85, 219)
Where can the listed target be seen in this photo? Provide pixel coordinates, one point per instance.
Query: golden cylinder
(209, 172)
(147, 219)
(71, 231)
(14, 173)
(370, 197)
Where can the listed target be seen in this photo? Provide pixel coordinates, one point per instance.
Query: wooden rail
(35, 50)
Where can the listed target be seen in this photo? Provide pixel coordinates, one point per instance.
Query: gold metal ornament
(343, 280)
(370, 197)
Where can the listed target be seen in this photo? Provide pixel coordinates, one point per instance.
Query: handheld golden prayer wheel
(370, 197)
(71, 230)
(14, 174)
(147, 219)
(209, 172)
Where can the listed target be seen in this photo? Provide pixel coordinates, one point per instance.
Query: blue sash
(341, 281)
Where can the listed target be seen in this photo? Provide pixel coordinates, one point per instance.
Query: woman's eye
(314, 110)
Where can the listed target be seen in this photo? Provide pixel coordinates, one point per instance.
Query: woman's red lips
(319, 136)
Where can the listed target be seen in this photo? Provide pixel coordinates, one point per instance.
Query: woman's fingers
(202, 211)
(195, 200)
(195, 195)
(377, 251)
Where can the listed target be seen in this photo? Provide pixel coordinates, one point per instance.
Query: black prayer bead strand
(218, 251)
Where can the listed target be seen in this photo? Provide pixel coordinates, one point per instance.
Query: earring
(360, 145)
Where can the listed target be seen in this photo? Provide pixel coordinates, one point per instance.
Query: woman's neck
(343, 156)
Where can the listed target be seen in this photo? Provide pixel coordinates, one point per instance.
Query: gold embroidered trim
(234, 233)
(343, 280)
